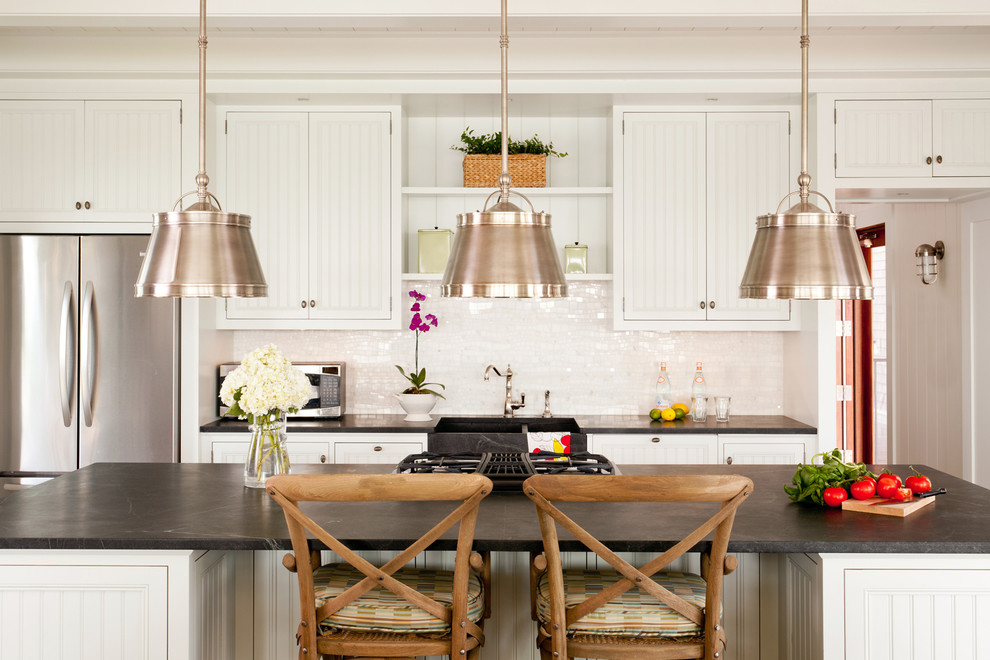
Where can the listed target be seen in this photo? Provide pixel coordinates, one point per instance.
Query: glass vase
(267, 455)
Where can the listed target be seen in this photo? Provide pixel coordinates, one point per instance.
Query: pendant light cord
(504, 179)
(804, 179)
(202, 180)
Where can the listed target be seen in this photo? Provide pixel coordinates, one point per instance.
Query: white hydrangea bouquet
(262, 390)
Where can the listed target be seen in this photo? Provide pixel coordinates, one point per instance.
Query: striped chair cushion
(382, 611)
(634, 613)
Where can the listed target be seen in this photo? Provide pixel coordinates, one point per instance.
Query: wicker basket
(527, 170)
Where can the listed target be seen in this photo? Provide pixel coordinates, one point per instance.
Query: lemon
(655, 413)
(668, 414)
(681, 407)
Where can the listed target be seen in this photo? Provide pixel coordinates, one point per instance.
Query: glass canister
(576, 258)
(434, 248)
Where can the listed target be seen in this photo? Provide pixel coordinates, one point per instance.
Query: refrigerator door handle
(88, 354)
(67, 353)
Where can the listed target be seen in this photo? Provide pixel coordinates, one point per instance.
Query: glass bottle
(663, 388)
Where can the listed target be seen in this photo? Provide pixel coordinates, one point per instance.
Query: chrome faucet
(510, 405)
(546, 404)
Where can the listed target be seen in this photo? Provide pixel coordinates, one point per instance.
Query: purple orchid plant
(419, 323)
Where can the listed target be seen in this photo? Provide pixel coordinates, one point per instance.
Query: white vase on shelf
(417, 406)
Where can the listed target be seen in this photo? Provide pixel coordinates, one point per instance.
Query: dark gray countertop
(205, 506)
(587, 423)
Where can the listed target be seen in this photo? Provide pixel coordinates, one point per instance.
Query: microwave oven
(326, 382)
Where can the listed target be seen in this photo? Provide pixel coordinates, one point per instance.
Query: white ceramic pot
(417, 406)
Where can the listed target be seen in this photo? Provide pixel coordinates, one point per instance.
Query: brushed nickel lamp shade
(504, 251)
(805, 252)
(201, 251)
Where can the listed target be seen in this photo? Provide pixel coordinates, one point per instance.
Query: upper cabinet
(692, 187)
(88, 161)
(319, 189)
(918, 138)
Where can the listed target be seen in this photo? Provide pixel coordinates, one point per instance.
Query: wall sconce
(928, 258)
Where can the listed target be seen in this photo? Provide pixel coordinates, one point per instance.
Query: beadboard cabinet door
(748, 171)
(883, 138)
(663, 227)
(319, 188)
(89, 161)
(961, 137)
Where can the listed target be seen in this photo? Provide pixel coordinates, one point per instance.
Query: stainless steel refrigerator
(88, 372)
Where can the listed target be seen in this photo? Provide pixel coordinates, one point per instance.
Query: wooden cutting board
(900, 509)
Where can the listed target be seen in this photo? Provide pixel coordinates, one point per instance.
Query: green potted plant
(483, 159)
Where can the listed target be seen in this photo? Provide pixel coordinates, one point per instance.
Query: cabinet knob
(654, 439)
(323, 458)
(378, 447)
(312, 303)
(937, 160)
(87, 203)
(303, 303)
(928, 161)
(711, 304)
(78, 205)
(702, 304)
(728, 460)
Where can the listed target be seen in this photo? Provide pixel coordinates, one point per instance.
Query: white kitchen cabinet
(235, 449)
(646, 448)
(382, 448)
(89, 161)
(912, 138)
(319, 188)
(767, 448)
(693, 185)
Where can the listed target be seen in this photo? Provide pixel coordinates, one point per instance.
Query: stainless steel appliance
(507, 469)
(326, 380)
(88, 372)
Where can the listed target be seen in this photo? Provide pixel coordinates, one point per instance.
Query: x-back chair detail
(358, 610)
(634, 612)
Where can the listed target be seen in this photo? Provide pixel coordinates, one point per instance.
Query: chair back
(729, 490)
(290, 490)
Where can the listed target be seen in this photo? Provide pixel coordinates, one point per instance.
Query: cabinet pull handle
(928, 161)
(711, 304)
(323, 458)
(654, 439)
(729, 460)
(702, 304)
(78, 205)
(312, 303)
(378, 447)
(303, 303)
(88, 206)
(937, 160)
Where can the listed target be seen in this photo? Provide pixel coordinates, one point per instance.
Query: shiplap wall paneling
(663, 228)
(266, 178)
(41, 159)
(350, 215)
(961, 137)
(883, 138)
(748, 166)
(133, 166)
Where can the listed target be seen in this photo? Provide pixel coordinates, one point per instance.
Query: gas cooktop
(507, 470)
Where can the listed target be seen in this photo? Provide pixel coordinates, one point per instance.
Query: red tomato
(863, 489)
(918, 483)
(835, 496)
(888, 484)
(902, 495)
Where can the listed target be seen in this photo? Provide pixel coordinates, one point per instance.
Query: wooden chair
(634, 612)
(357, 610)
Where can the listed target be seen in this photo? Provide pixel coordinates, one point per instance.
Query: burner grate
(507, 469)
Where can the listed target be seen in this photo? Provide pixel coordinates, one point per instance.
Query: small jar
(576, 258)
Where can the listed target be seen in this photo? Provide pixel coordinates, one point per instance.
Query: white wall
(564, 345)
(975, 234)
(925, 381)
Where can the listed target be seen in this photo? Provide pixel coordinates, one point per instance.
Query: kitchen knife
(940, 491)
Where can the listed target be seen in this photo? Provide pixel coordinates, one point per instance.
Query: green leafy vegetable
(811, 480)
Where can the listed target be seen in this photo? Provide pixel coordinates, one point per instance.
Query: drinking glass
(722, 408)
(699, 408)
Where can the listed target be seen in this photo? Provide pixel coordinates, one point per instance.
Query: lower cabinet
(387, 448)
(236, 451)
(765, 449)
(645, 448)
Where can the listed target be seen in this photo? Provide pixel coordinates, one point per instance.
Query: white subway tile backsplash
(565, 345)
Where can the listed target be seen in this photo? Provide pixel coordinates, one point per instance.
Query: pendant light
(201, 251)
(504, 251)
(806, 253)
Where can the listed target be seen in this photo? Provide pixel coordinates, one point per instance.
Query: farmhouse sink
(488, 434)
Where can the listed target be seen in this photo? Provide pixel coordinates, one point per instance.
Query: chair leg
(474, 654)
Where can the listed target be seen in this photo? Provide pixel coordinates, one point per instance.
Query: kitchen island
(173, 540)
